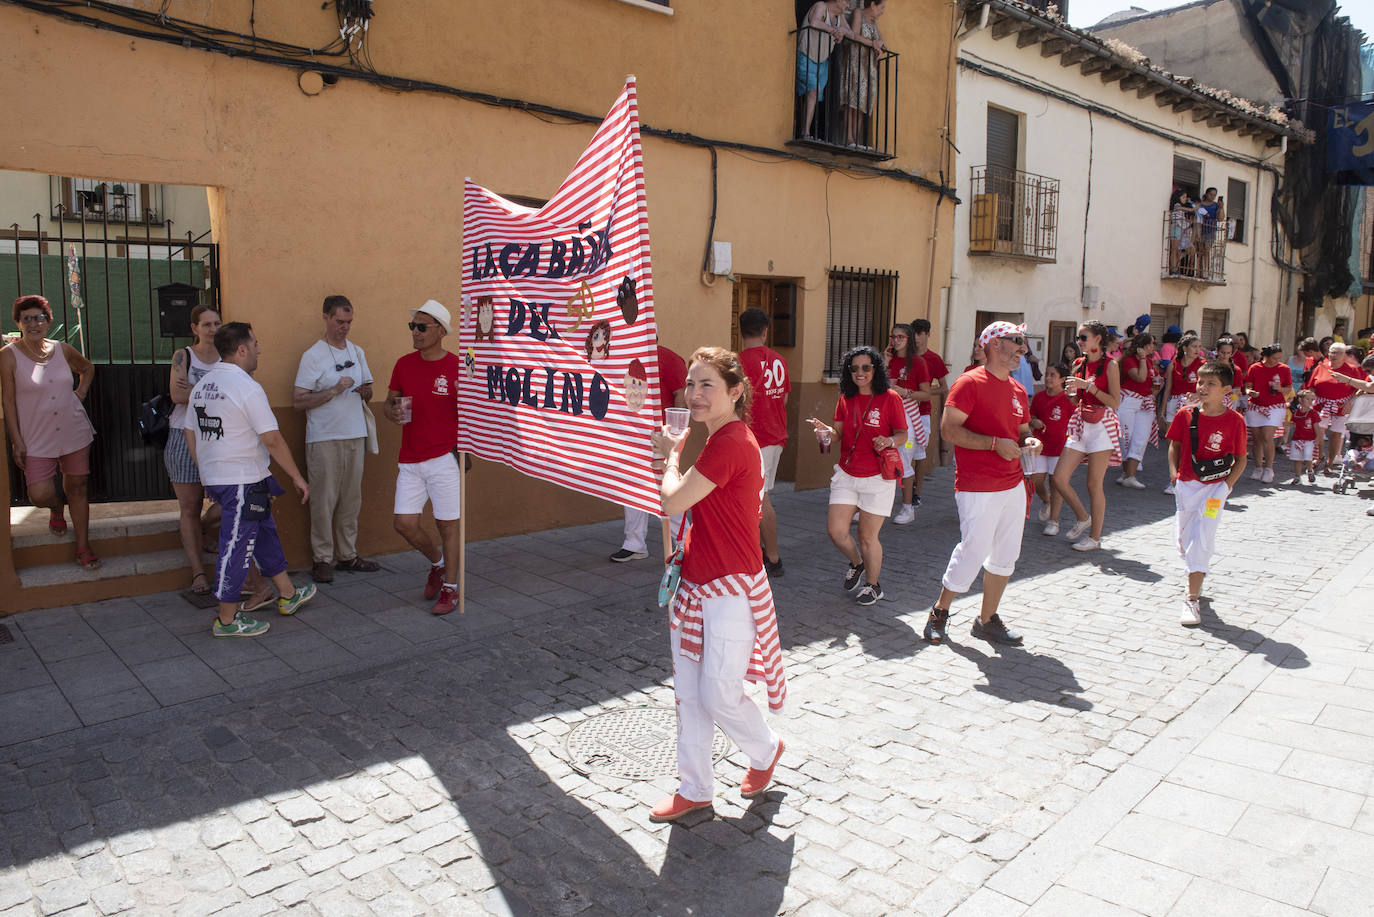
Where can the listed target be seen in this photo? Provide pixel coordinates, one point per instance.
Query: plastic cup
(1027, 460)
(678, 418)
(823, 440)
(403, 405)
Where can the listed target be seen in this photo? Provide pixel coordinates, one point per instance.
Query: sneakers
(1191, 615)
(675, 807)
(870, 593)
(1268, 476)
(292, 603)
(1170, 488)
(1311, 477)
(995, 631)
(1051, 528)
(435, 581)
(935, 625)
(773, 568)
(1080, 529)
(1132, 482)
(852, 576)
(623, 556)
(905, 516)
(1044, 515)
(756, 781)
(448, 600)
(240, 627)
(915, 499)
(1087, 543)
(1293, 481)
(1257, 474)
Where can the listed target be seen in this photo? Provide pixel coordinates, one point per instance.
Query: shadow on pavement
(1015, 674)
(1275, 652)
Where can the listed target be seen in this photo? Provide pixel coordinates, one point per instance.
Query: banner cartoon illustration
(557, 331)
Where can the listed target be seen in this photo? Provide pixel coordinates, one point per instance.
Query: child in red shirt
(1219, 433)
(1050, 411)
(1302, 436)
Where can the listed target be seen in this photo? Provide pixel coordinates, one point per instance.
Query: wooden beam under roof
(1008, 26)
(1167, 97)
(1029, 37)
(1114, 73)
(1149, 88)
(1204, 114)
(1184, 104)
(1134, 81)
(1074, 55)
(1053, 46)
(1096, 65)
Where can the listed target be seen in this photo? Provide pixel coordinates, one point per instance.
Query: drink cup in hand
(678, 418)
(823, 440)
(403, 407)
(1027, 460)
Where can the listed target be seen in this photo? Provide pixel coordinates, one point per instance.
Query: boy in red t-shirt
(768, 377)
(1050, 411)
(1302, 436)
(1219, 432)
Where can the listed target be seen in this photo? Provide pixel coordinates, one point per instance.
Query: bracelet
(993, 448)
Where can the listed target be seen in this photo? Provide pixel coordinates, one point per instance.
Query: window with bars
(111, 201)
(861, 306)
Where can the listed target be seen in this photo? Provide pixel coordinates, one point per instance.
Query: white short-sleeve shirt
(341, 417)
(228, 412)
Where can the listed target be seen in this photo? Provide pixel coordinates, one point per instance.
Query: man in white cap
(428, 379)
(987, 421)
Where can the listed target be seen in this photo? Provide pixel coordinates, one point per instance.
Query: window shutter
(1002, 131)
(1236, 209)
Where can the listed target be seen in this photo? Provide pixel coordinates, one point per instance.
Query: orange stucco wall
(359, 189)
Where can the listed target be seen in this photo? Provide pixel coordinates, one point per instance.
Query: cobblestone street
(367, 758)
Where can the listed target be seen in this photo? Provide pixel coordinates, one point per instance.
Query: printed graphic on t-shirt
(1213, 443)
(1016, 410)
(209, 426)
(441, 384)
(1055, 413)
(873, 417)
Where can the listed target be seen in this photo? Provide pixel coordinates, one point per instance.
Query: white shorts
(771, 455)
(435, 481)
(1335, 425)
(1300, 450)
(1195, 523)
(1171, 408)
(912, 451)
(872, 495)
(1272, 416)
(1095, 438)
(1045, 464)
(990, 527)
(1136, 416)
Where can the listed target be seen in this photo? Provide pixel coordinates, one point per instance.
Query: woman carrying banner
(723, 627)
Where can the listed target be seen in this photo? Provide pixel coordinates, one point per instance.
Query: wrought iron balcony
(846, 96)
(1194, 247)
(1014, 214)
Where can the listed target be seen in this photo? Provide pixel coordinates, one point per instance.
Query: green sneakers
(303, 594)
(240, 627)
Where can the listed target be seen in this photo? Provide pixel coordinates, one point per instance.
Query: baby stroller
(1359, 425)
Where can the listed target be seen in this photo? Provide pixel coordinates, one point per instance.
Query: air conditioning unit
(1092, 297)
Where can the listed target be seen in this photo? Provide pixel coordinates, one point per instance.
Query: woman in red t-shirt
(1094, 433)
(1268, 386)
(1333, 398)
(1226, 353)
(911, 381)
(1050, 411)
(868, 419)
(723, 626)
(1140, 379)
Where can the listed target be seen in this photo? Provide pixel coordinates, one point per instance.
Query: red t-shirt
(1129, 384)
(1320, 381)
(672, 377)
(1257, 380)
(866, 417)
(995, 407)
(908, 373)
(1305, 425)
(433, 387)
(1185, 378)
(1216, 436)
(1054, 412)
(938, 371)
(767, 374)
(724, 535)
(1096, 373)
(1240, 364)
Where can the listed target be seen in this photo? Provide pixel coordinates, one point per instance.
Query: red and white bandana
(999, 330)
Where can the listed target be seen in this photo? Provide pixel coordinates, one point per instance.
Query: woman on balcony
(188, 366)
(859, 87)
(1094, 433)
(823, 27)
(47, 423)
(1181, 212)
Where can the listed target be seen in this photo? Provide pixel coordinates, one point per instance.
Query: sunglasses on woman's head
(421, 327)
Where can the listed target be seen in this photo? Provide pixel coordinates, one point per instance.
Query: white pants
(990, 526)
(1135, 420)
(711, 692)
(637, 529)
(1195, 522)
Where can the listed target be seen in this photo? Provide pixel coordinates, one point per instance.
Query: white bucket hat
(435, 310)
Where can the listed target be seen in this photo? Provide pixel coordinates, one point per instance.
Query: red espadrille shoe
(675, 807)
(756, 781)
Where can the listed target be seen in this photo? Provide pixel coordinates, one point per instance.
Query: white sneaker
(1170, 488)
(1257, 474)
(905, 515)
(1268, 476)
(1044, 513)
(1086, 544)
(1191, 616)
(1121, 481)
(1079, 529)
(1133, 483)
(1051, 528)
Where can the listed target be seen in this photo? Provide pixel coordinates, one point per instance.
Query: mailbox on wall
(174, 304)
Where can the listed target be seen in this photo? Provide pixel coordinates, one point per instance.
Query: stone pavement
(367, 758)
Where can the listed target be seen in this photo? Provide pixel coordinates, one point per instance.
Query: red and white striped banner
(557, 330)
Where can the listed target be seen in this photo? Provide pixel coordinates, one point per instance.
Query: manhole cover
(639, 743)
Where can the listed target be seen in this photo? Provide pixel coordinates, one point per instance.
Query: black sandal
(203, 588)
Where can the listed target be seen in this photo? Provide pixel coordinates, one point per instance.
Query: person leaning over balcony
(333, 387)
(189, 366)
(47, 424)
(859, 85)
(1180, 220)
(920, 338)
(232, 435)
(1094, 433)
(1210, 213)
(823, 27)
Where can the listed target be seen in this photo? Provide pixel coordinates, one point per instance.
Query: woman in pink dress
(47, 424)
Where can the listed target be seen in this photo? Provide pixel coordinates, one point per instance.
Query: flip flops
(57, 524)
(203, 588)
(87, 560)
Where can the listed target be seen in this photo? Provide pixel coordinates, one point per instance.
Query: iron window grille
(861, 306)
(1014, 213)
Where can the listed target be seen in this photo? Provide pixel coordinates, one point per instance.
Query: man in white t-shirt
(333, 385)
(232, 434)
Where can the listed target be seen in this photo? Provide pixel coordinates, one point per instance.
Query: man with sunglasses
(333, 384)
(428, 465)
(987, 421)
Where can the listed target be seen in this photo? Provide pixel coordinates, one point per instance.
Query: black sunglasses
(1018, 341)
(421, 327)
(861, 368)
(340, 367)
(1082, 337)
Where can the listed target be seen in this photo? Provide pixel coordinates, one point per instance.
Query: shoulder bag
(1208, 471)
(154, 416)
(672, 572)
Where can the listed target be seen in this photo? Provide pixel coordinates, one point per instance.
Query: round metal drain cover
(638, 743)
